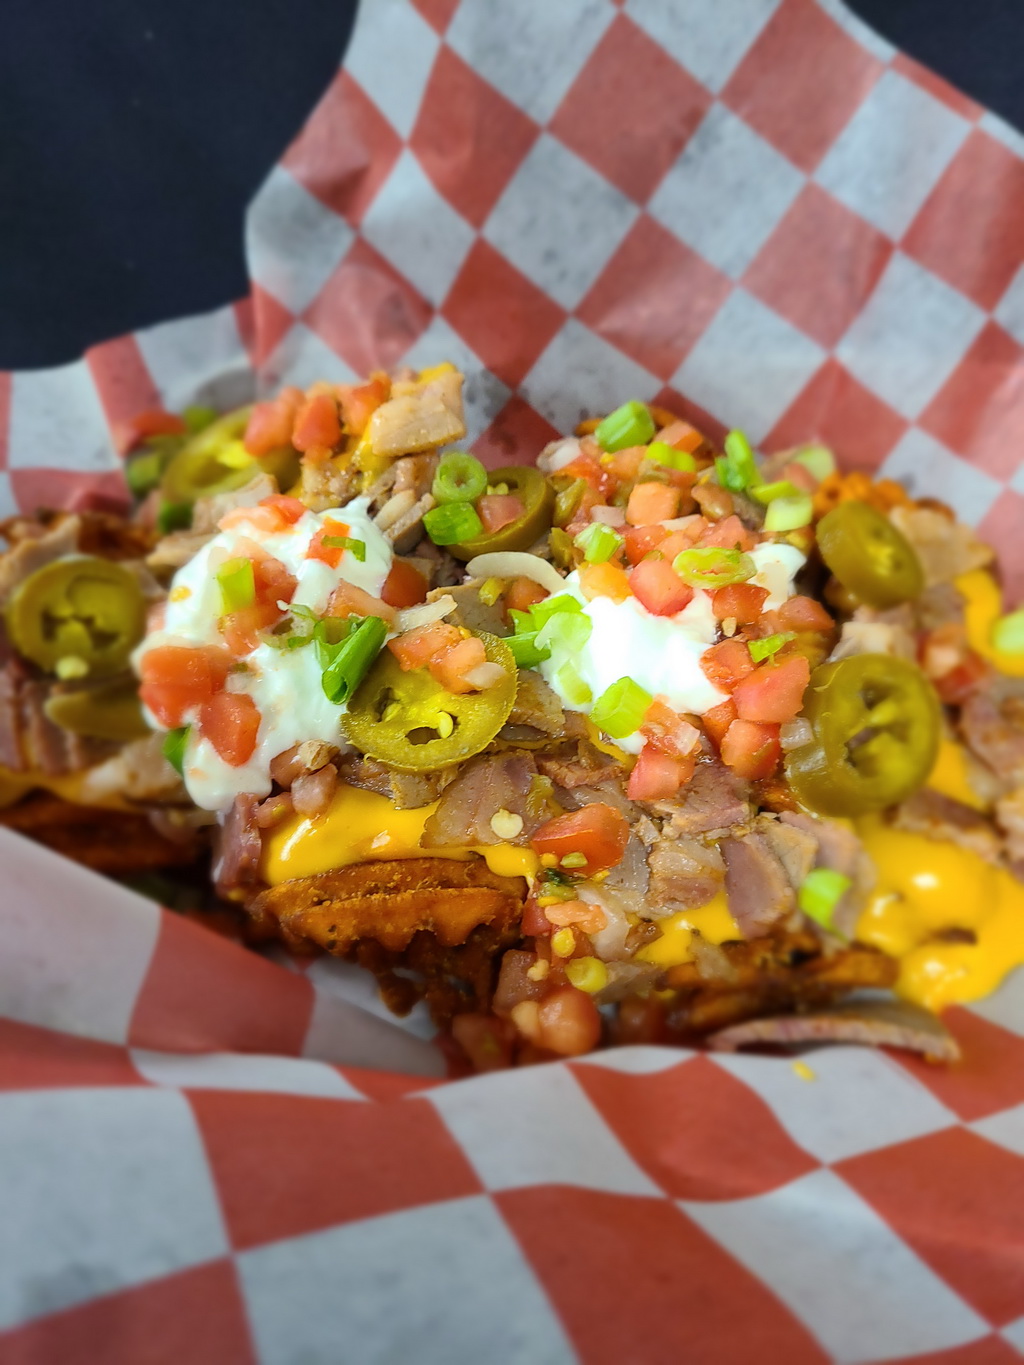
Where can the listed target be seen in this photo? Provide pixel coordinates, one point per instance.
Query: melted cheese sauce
(983, 607)
(951, 776)
(72, 787)
(361, 826)
(712, 921)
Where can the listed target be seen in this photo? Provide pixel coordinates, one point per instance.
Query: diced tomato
(681, 436)
(799, 476)
(742, 602)
(717, 721)
(803, 613)
(666, 730)
(328, 554)
(727, 534)
(176, 678)
(522, 593)
(604, 580)
(241, 629)
(588, 467)
(598, 831)
(268, 515)
(360, 401)
(956, 686)
(535, 924)
(348, 600)
(751, 750)
(450, 667)
(270, 423)
(641, 540)
(726, 663)
(680, 540)
(650, 502)
(404, 586)
(625, 464)
(659, 588)
(774, 692)
(656, 775)
(317, 423)
(230, 721)
(274, 582)
(416, 648)
(133, 431)
(496, 510)
(290, 510)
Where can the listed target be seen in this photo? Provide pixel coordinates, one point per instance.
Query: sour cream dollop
(284, 684)
(660, 653)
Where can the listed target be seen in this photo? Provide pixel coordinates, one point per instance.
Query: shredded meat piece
(29, 740)
(878, 632)
(485, 785)
(875, 1023)
(424, 416)
(945, 547)
(630, 877)
(406, 790)
(1010, 816)
(714, 800)
(940, 605)
(138, 772)
(940, 817)
(236, 869)
(330, 483)
(795, 848)
(207, 512)
(405, 531)
(992, 725)
(472, 614)
(684, 874)
(759, 891)
(415, 473)
(536, 704)
(176, 549)
(578, 765)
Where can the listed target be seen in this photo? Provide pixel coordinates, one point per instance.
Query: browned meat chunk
(536, 705)
(236, 868)
(484, 786)
(940, 817)
(759, 891)
(683, 875)
(714, 800)
(881, 1023)
(992, 724)
(406, 790)
(470, 612)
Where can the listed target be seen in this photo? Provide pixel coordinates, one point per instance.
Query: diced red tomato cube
(666, 730)
(641, 540)
(522, 593)
(727, 534)
(717, 721)
(328, 554)
(290, 510)
(804, 614)
(588, 467)
(176, 678)
(404, 586)
(651, 502)
(726, 663)
(317, 423)
(348, 600)
(241, 629)
(625, 464)
(598, 831)
(681, 436)
(496, 510)
(153, 422)
(604, 580)
(659, 588)
(656, 775)
(231, 721)
(451, 665)
(360, 401)
(270, 423)
(774, 692)
(751, 750)
(742, 602)
(416, 648)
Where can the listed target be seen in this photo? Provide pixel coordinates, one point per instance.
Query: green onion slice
(355, 547)
(459, 478)
(566, 631)
(709, 567)
(237, 584)
(452, 523)
(350, 659)
(572, 687)
(173, 516)
(821, 892)
(620, 709)
(525, 650)
(817, 460)
(662, 453)
(1008, 633)
(789, 513)
(771, 644)
(630, 425)
(781, 488)
(197, 418)
(598, 542)
(174, 746)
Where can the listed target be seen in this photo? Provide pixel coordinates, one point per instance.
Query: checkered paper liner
(758, 213)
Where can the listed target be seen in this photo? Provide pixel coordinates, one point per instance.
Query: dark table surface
(133, 132)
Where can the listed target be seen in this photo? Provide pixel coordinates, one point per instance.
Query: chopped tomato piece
(726, 663)
(153, 422)
(598, 831)
(451, 665)
(680, 540)
(650, 502)
(625, 464)
(741, 602)
(587, 466)
(799, 476)
(751, 750)
(522, 593)
(956, 686)
(803, 613)
(496, 510)
(273, 580)
(328, 554)
(666, 730)
(416, 648)
(176, 678)
(717, 721)
(348, 600)
(270, 423)
(404, 586)
(241, 629)
(656, 775)
(727, 534)
(535, 924)
(230, 721)
(774, 692)
(604, 580)
(659, 588)
(317, 423)
(681, 436)
(641, 540)
(290, 510)
(360, 401)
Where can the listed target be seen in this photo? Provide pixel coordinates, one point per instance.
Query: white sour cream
(285, 684)
(660, 653)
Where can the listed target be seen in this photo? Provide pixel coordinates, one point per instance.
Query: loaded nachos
(645, 742)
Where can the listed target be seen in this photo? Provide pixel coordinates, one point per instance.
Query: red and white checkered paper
(754, 211)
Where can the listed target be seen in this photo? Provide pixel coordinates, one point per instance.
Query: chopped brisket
(759, 891)
(684, 874)
(715, 799)
(406, 790)
(874, 1023)
(33, 551)
(485, 785)
(236, 868)
(472, 614)
(945, 546)
(536, 704)
(992, 725)
(936, 816)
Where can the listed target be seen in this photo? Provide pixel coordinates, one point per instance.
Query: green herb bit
(237, 583)
(452, 523)
(768, 492)
(598, 542)
(173, 516)
(355, 547)
(352, 659)
(710, 567)
(174, 746)
(629, 425)
(822, 890)
(789, 513)
(525, 650)
(1008, 633)
(620, 709)
(197, 417)
(771, 644)
(662, 453)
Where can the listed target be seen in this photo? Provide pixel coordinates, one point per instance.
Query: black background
(133, 132)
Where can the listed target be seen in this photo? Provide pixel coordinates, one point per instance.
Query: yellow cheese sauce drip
(71, 787)
(361, 826)
(712, 921)
(983, 607)
(926, 887)
(951, 776)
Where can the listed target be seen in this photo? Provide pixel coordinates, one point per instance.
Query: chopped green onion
(781, 488)
(144, 472)
(173, 516)
(1008, 633)
(630, 425)
(566, 631)
(822, 890)
(351, 659)
(598, 542)
(771, 644)
(174, 746)
(525, 651)
(572, 687)
(741, 460)
(198, 417)
(356, 547)
(662, 453)
(490, 590)
(789, 513)
(237, 583)
(459, 478)
(620, 709)
(540, 612)
(710, 567)
(452, 523)
(817, 460)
